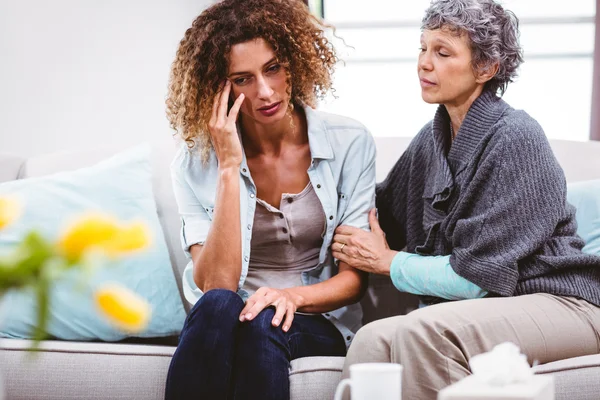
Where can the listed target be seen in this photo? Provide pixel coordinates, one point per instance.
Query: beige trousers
(435, 343)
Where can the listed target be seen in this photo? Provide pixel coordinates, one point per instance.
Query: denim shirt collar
(318, 141)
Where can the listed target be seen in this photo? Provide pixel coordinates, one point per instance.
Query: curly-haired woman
(478, 202)
(262, 180)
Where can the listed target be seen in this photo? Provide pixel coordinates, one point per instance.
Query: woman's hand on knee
(283, 301)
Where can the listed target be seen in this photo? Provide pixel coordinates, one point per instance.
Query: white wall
(84, 73)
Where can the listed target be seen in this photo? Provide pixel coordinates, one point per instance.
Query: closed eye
(274, 68)
(241, 81)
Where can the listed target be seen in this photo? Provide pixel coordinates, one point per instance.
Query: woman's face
(445, 71)
(254, 71)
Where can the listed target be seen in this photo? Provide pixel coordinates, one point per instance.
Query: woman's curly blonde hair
(202, 60)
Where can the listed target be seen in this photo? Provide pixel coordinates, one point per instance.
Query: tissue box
(541, 387)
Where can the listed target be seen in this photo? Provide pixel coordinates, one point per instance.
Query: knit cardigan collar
(451, 157)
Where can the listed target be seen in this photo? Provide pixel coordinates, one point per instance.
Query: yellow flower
(128, 239)
(100, 232)
(10, 210)
(123, 308)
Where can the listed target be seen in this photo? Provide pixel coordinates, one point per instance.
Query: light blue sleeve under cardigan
(431, 276)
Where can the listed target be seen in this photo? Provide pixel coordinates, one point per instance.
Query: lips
(426, 83)
(270, 109)
(270, 106)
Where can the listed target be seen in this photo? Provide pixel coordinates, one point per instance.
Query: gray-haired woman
(478, 202)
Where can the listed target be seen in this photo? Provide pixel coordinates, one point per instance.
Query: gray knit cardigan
(494, 199)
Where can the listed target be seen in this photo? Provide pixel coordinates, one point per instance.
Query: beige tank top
(285, 242)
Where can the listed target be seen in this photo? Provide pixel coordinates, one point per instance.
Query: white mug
(368, 381)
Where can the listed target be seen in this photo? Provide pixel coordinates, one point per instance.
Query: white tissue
(502, 366)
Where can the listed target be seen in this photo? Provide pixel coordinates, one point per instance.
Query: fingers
(233, 113)
(289, 317)
(219, 116)
(223, 101)
(339, 246)
(347, 230)
(344, 244)
(248, 310)
(216, 100)
(342, 257)
(245, 311)
(352, 261)
(254, 310)
(341, 239)
(280, 308)
(263, 298)
(266, 297)
(374, 222)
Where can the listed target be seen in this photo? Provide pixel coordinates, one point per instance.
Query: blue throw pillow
(120, 186)
(586, 197)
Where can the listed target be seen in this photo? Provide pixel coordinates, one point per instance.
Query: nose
(264, 89)
(424, 61)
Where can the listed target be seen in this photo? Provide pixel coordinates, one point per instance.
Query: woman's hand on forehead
(222, 128)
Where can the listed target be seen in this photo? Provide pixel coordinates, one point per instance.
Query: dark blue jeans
(219, 357)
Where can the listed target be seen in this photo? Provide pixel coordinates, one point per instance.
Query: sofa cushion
(161, 157)
(75, 370)
(574, 378)
(120, 186)
(10, 167)
(585, 196)
(315, 377)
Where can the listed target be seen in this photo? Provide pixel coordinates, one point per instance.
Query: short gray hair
(493, 33)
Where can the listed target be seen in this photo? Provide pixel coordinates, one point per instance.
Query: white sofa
(76, 370)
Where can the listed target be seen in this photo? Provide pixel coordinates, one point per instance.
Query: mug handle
(339, 392)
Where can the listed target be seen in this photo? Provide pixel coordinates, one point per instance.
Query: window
(378, 84)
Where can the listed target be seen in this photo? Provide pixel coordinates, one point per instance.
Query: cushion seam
(551, 371)
(296, 372)
(87, 352)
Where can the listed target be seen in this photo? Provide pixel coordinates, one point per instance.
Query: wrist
(297, 298)
(386, 262)
(229, 171)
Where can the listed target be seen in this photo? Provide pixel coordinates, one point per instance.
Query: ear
(485, 73)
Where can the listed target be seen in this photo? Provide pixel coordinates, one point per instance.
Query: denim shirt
(342, 171)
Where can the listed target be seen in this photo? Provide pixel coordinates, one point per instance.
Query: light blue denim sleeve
(195, 221)
(431, 276)
(361, 199)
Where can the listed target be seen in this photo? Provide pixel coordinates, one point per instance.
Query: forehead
(445, 36)
(249, 55)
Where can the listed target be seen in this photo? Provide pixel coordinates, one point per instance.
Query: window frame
(595, 122)
(595, 103)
